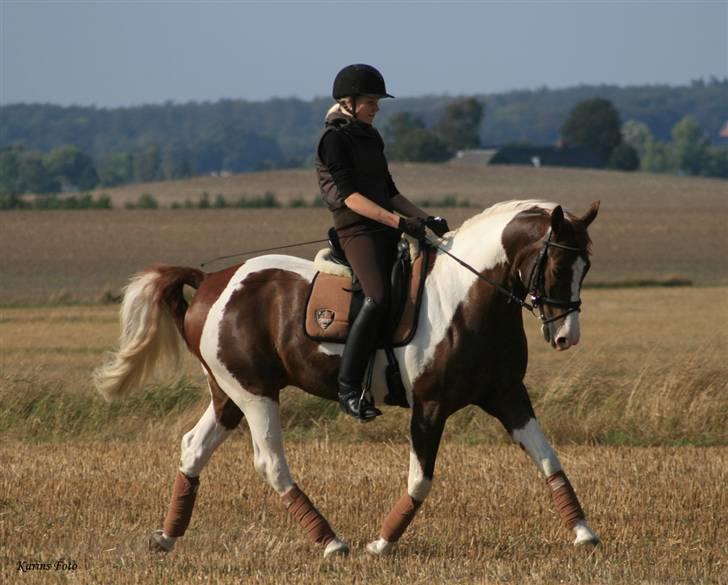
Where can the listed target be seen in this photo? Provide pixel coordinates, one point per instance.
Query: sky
(122, 53)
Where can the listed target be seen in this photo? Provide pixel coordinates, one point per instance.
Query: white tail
(150, 339)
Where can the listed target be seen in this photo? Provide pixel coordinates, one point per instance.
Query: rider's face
(366, 108)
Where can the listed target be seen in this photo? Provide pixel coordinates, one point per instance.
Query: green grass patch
(48, 413)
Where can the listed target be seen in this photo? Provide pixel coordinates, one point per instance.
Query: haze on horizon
(123, 53)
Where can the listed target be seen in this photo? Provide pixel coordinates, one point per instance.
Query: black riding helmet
(359, 79)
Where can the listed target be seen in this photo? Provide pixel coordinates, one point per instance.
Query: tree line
(46, 149)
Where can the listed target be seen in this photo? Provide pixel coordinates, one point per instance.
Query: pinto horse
(245, 325)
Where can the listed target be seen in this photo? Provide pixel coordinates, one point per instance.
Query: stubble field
(639, 411)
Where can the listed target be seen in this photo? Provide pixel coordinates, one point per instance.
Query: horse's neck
(449, 285)
(480, 243)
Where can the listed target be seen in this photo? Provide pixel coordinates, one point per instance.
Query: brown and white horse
(245, 325)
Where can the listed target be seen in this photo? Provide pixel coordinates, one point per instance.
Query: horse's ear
(557, 218)
(591, 214)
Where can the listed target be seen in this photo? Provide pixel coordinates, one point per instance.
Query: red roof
(724, 132)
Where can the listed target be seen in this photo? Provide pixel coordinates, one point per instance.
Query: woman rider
(356, 184)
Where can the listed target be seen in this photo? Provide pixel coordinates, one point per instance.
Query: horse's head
(552, 270)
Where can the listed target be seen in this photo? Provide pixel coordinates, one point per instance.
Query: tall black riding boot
(360, 344)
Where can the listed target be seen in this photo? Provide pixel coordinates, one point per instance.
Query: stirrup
(357, 405)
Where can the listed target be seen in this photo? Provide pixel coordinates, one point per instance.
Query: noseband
(536, 287)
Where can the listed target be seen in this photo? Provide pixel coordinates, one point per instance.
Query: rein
(535, 279)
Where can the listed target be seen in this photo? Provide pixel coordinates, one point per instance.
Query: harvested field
(72, 256)
(662, 514)
(638, 410)
(650, 227)
(481, 186)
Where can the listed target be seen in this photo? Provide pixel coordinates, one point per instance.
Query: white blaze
(570, 328)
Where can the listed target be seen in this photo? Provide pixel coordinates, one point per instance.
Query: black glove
(413, 226)
(438, 225)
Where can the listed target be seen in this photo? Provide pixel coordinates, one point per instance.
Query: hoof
(380, 547)
(336, 548)
(158, 542)
(585, 535)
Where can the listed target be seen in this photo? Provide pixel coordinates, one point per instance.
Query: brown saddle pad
(329, 302)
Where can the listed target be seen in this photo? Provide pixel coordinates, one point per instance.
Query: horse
(245, 326)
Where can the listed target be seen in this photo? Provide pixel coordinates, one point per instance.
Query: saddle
(335, 297)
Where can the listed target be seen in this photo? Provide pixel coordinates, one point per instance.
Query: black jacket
(350, 158)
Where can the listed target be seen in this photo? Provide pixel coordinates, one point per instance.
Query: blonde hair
(343, 106)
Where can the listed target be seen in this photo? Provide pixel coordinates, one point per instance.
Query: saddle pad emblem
(324, 318)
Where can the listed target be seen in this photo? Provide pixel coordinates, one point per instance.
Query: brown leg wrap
(179, 513)
(565, 499)
(313, 523)
(399, 518)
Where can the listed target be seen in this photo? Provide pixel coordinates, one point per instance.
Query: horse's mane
(512, 207)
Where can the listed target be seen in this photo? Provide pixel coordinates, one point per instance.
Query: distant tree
(689, 146)
(593, 123)
(658, 158)
(421, 145)
(400, 124)
(716, 163)
(459, 128)
(33, 175)
(148, 164)
(624, 158)
(9, 173)
(69, 165)
(116, 169)
(409, 140)
(637, 134)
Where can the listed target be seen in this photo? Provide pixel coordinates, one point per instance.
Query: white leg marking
(336, 548)
(418, 486)
(538, 447)
(161, 542)
(263, 416)
(380, 547)
(584, 534)
(200, 443)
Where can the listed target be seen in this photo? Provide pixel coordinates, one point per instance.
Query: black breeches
(371, 256)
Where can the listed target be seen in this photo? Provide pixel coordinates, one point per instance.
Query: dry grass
(86, 481)
(662, 514)
(650, 370)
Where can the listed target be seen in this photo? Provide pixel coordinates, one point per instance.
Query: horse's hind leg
(263, 416)
(521, 424)
(198, 445)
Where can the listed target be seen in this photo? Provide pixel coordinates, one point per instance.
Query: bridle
(536, 292)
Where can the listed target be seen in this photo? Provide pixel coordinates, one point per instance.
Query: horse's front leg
(512, 413)
(534, 442)
(428, 422)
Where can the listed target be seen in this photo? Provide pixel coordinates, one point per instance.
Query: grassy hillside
(479, 185)
(649, 227)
